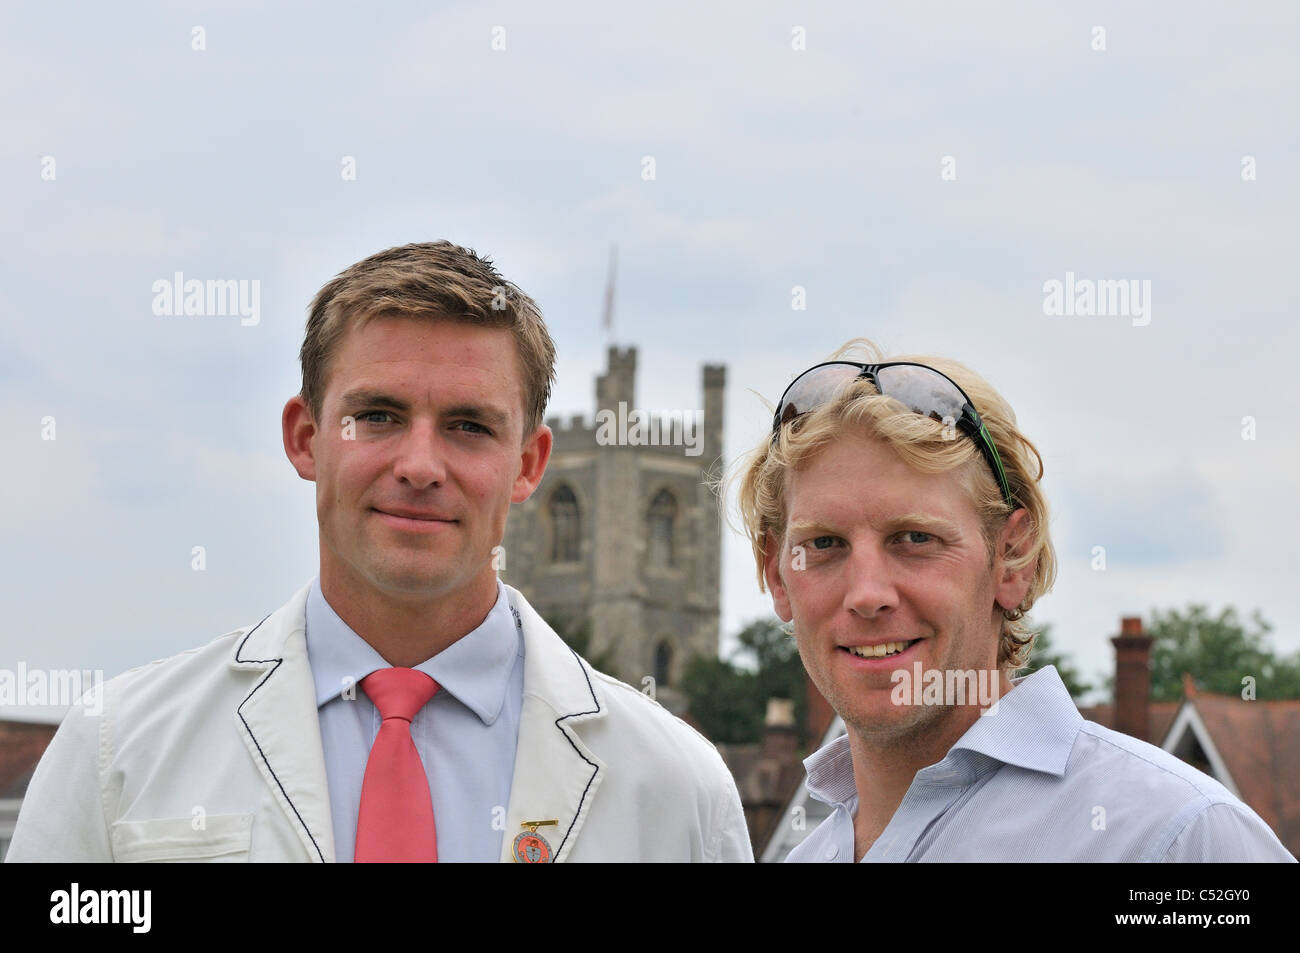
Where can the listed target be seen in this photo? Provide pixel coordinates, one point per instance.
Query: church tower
(623, 535)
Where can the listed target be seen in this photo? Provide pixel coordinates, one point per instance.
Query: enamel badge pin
(530, 846)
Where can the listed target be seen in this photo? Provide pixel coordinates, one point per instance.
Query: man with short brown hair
(406, 705)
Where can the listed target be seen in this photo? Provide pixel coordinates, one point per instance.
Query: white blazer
(215, 755)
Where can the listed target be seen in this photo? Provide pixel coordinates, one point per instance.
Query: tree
(728, 697)
(1220, 653)
(1045, 653)
(722, 700)
(576, 634)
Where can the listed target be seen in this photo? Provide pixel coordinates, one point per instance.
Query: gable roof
(1257, 744)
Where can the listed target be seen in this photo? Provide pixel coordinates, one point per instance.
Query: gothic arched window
(663, 663)
(566, 526)
(663, 512)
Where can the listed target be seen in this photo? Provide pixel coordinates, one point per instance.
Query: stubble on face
(869, 586)
(906, 727)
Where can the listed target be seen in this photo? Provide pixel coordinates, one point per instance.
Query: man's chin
(416, 582)
(879, 718)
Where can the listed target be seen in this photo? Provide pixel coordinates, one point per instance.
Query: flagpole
(607, 319)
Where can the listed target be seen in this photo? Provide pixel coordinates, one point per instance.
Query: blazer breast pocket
(223, 838)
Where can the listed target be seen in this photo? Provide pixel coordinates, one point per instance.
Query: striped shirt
(1036, 782)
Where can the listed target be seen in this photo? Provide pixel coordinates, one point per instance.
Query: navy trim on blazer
(239, 711)
(594, 767)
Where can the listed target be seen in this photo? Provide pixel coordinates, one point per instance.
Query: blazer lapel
(556, 775)
(278, 722)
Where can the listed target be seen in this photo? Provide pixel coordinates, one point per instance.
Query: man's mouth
(418, 523)
(415, 515)
(883, 650)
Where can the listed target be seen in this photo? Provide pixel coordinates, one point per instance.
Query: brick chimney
(780, 733)
(1132, 678)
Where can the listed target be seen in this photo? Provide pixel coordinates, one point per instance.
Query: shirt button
(832, 853)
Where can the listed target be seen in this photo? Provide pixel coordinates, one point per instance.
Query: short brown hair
(434, 281)
(923, 445)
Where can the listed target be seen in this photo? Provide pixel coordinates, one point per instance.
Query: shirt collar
(830, 772)
(1033, 727)
(475, 668)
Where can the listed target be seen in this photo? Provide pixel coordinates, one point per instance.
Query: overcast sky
(1117, 154)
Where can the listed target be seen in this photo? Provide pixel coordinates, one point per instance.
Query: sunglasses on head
(920, 388)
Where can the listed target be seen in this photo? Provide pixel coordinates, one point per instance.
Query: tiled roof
(1160, 720)
(765, 779)
(761, 779)
(1259, 742)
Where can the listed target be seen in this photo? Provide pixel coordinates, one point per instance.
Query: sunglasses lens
(816, 387)
(922, 390)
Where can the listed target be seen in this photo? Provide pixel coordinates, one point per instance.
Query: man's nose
(871, 591)
(421, 455)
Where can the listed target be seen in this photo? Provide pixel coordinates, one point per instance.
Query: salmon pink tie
(395, 823)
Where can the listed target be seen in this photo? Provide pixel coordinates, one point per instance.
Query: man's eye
(479, 428)
(372, 413)
(926, 537)
(823, 542)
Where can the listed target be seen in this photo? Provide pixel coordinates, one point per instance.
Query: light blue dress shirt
(1036, 782)
(466, 735)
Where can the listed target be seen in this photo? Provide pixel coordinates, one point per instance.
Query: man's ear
(533, 458)
(772, 574)
(1011, 585)
(298, 428)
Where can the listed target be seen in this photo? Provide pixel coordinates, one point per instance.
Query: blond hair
(923, 445)
(433, 281)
